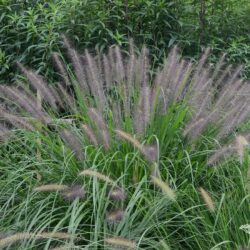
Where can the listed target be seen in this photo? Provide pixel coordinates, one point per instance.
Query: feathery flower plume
(199, 100)
(241, 144)
(233, 119)
(207, 199)
(180, 72)
(107, 71)
(73, 192)
(144, 67)
(138, 119)
(236, 75)
(7, 241)
(72, 142)
(94, 173)
(143, 110)
(120, 72)
(115, 216)
(99, 122)
(98, 59)
(95, 82)
(117, 115)
(170, 193)
(220, 154)
(39, 84)
(61, 68)
(169, 66)
(223, 77)
(112, 63)
(194, 128)
(130, 77)
(150, 152)
(97, 117)
(50, 188)
(120, 243)
(66, 97)
(77, 65)
(200, 67)
(90, 133)
(218, 68)
(130, 139)
(225, 96)
(16, 121)
(117, 194)
(24, 101)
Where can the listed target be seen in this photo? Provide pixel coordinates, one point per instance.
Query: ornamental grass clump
(122, 148)
(115, 94)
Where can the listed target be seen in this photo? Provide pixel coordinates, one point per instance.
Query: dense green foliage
(29, 30)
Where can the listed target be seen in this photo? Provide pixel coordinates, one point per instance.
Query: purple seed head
(73, 192)
(115, 216)
(117, 194)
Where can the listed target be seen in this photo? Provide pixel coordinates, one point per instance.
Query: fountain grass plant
(117, 156)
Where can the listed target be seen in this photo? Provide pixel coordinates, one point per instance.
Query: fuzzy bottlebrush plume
(207, 199)
(94, 173)
(100, 124)
(120, 243)
(237, 147)
(241, 144)
(115, 216)
(73, 192)
(15, 120)
(90, 133)
(69, 193)
(120, 83)
(39, 84)
(61, 68)
(7, 241)
(117, 194)
(23, 101)
(50, 188)
(78, 66)
(170, 193)
(149, 151)
(72, 142)
(220, 154)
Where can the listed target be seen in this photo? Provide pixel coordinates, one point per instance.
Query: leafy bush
(29, 30)
(115, 156)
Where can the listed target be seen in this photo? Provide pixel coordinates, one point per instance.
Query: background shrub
(29, 30)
